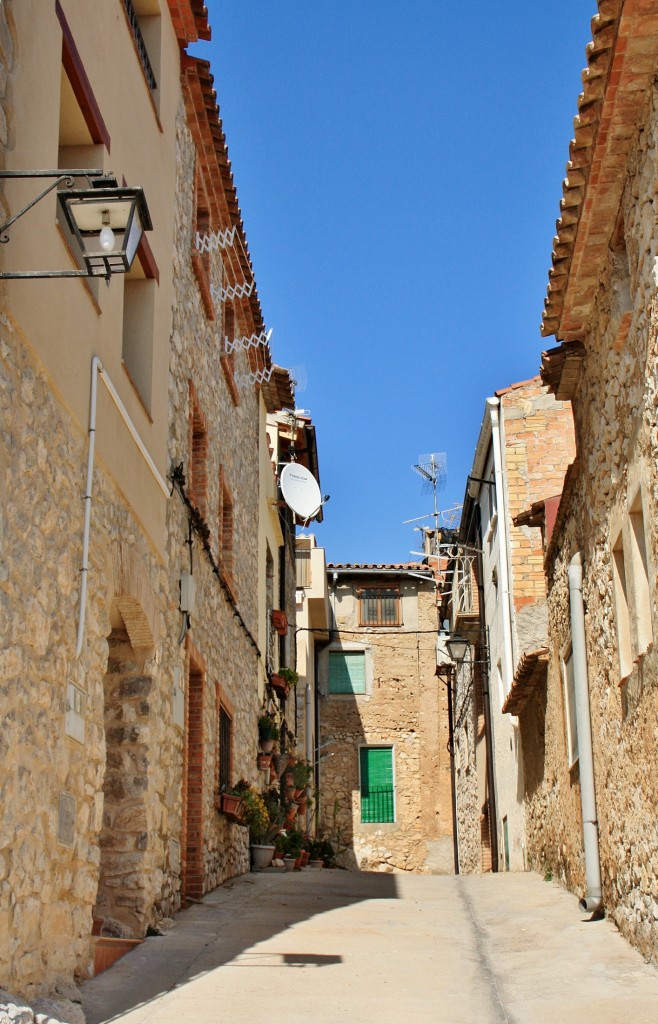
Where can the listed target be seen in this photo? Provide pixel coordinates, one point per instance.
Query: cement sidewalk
(497, 949)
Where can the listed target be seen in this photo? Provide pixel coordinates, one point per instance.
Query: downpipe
(592, 902)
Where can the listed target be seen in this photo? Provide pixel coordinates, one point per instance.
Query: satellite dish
(300, 490)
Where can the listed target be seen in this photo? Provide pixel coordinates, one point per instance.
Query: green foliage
(267, 728)
(260, 816)
(302, 773)
(289, 675)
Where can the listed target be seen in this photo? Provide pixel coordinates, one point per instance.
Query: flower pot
(289, 780)
(266, 745)
(263, 762)
(280, 685)
(280, 762)
(289, 863)
(231, 806)
(301, 807)
(305, 856)
(298, 863)
(291, 814)
(261, 856)
(280, 621)
(316, 864)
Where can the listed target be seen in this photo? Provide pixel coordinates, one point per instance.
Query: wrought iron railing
(140, 45)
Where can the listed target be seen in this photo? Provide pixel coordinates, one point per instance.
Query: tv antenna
(432, 469)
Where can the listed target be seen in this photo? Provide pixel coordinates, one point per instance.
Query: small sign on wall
(76, 703)
(66, 819)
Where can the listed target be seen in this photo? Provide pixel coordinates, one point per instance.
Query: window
(303, 567)
(377, 792)
(379, 606)
(198, 455)
(227, 356)
(143, 17)
(347, 671)
(570, 706)
(631, 588)
(224, 759)
(226, 523)
(201, 263)
(139, 292)
(621, 609)
(642, 628)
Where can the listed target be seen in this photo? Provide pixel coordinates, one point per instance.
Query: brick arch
(133, 596)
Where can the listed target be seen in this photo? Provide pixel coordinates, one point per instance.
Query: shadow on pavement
(230, 921)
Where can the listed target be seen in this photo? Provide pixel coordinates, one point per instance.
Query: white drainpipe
(592, 901)
(494, 404)
(97, 371)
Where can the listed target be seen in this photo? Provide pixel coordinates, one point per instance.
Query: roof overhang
(530, 671)
(621, 64)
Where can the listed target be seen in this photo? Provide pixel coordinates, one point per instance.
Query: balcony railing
(140, 45)
(464, 587)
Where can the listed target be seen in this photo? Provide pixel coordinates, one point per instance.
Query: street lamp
(457, 647)
(106, 221)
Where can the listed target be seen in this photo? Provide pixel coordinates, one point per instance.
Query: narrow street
(327, 946)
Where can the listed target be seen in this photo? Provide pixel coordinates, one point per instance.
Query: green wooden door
(377, 802)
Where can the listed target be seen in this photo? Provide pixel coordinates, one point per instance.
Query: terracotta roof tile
(621, 62)
(530, 671)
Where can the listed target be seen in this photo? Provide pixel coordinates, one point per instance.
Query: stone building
(313, 624)
(592, 815)
(290, 437)
(497, 601)
(133, 434)
(384, 768)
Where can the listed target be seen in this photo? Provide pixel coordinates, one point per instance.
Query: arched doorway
(123, 900)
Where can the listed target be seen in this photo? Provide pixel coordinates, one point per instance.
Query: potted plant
(268, 733)
(284, 679)
(231, 805)
(301, 775)
(262, 829)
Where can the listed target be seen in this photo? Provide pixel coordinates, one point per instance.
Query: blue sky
(399, 171)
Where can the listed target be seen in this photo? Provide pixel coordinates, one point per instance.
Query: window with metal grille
(140, 43)
(225, 735)
(226, 530)
(347, 671)
(377, 791)
(379, 606)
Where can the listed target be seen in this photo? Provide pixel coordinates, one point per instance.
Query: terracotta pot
(298, 863)
(289, 780)
(301, 807)
(263, 762)
(280, 685)
(291, 814)
(305, 858)
(231, 806)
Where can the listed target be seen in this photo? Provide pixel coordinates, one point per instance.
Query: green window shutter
(377, 803)
(347, 672)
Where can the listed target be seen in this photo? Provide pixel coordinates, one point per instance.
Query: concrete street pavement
(331, 946)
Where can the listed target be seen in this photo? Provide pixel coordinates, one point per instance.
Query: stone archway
(123, 904)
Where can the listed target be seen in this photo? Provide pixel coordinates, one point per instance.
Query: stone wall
(93, 749)
(220, 638)
(615, 411)
(406, 707)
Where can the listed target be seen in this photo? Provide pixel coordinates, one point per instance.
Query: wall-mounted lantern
(106, 222)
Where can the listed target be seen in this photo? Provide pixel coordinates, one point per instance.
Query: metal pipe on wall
(590, 903)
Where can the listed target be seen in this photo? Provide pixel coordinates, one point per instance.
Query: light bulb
(106, 238)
